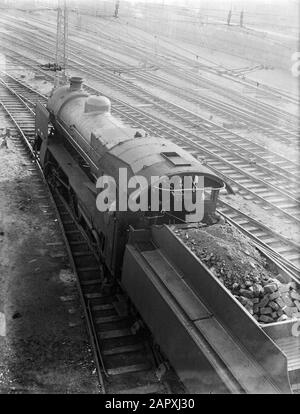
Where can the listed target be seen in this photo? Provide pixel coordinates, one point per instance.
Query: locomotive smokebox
(75, 83)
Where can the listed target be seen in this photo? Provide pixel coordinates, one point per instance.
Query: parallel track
(270, 125)
(122, 355)
(264, 119)
(273, 190)
(168, 55)
(193, 119)
(127, 362)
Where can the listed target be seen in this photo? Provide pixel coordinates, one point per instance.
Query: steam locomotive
(209, 338)
(89, 143)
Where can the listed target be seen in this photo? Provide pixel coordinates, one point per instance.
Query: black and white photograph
(149, 199)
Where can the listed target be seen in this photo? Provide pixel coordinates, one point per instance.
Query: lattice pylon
(61, 55)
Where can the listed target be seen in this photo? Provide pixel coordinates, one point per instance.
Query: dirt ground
(43, 340)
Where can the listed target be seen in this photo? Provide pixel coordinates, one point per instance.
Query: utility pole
(61, 56)
(242, 18)
(229, 18)
(117, 8)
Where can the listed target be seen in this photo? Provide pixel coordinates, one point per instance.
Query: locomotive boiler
(203, 330)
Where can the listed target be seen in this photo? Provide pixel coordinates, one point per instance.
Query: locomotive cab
(192, 201)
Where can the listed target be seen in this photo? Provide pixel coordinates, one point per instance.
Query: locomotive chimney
(75, 83)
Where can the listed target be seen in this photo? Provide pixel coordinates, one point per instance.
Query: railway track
(124, 356)
(270, 125)
(251, 118)
(271, 130)
(127, 361)
(269, 115)
(283, 250)
(258, 120)
(273, 190)
(172, 54)
(264, 119)
(171, 57)
(109, 322)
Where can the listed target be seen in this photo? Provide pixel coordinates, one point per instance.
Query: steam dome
(99, 104)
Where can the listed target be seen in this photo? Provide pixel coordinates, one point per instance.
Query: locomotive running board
(212, 343)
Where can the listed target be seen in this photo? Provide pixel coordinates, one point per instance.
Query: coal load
(236, 262)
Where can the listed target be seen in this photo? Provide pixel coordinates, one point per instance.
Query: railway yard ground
(225, 93)
(44, 345)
